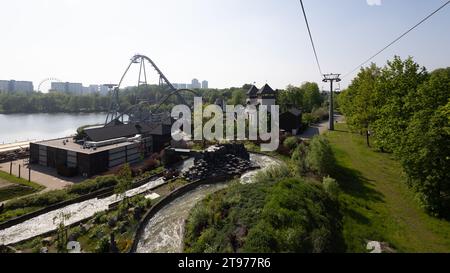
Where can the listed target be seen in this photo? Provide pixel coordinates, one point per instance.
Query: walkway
(77, 212)
(14, 146)
(40, 175)
(318, 129)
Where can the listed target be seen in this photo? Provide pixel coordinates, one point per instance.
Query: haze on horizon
(228, 43)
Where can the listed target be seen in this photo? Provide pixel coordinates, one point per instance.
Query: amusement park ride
(140, 112)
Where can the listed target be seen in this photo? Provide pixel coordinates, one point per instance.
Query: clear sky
(227, 42)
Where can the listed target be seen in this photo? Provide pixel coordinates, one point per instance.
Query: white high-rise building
(4, 86)
(195, 84)
(68, 87)
(16, 86)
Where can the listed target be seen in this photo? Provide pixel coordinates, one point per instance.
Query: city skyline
(242, 41)
(79, 88)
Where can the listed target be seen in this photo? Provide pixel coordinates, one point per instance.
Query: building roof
(155, 129)
(265, 90)
(111, 131)
(253, 91)
(70, 145)
(294, 111)
(127, 130)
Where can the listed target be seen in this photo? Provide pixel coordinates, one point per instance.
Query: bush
(308, 118)
(291, 142)
(40, 200)
(93, 185)
(320, 114)
(298, 159)
(103, 245)
(331, 187)
(199, 220)
(261, 239)
(279, 215)
(320, 158)
(272, 174)
(304, 218)
(169, 157)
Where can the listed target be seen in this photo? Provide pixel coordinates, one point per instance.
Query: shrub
(320, 157)
(320, 114)
(169, 157)
(304, 211)
(331, 187)
(199, 220)
(307, 118)
(261, 239)
(298, 159)
(93, 185)
(272, 174)
(40, 200)
(279, 215)
(125, 172)
(291, 142)
(103, 245)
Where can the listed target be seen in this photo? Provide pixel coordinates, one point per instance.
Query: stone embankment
(224, 160)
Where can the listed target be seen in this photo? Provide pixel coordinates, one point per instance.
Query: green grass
(19, 187)
(8, 215)
(14, 191)
(15, 180)
(377, 204)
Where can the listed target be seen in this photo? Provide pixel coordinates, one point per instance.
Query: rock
(112, 244)
(379, 247)
(47, 241)
(73, 237)
(112, 221)
(43, 250)
(8, 249)
(73, 247)
(85, 227)
(219, 160)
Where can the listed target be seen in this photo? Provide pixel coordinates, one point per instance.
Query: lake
(24, 127)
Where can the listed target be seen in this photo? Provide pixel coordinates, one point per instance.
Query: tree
(238, 97)
(125, 181)
(320, 158)
(425, 146)
(62, 234)
(398, 82)
(358, 101)
(408, 110)
(311, 96)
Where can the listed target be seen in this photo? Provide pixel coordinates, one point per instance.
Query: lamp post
(331, 78)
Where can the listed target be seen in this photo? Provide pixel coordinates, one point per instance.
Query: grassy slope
(19, 187)
(377, 204)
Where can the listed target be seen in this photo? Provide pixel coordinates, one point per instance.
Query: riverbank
(162, 229)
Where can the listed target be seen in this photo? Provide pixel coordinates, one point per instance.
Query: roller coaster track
(114, 109)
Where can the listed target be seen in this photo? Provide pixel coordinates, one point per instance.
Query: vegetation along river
(165, 230)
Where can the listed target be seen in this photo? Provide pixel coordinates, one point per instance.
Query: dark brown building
(291, 121)
(102, 148)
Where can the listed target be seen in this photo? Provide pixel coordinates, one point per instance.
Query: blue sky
(228, 42)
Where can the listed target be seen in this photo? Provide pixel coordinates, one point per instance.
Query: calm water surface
(24, 127)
